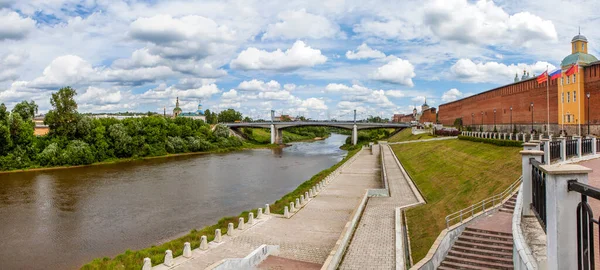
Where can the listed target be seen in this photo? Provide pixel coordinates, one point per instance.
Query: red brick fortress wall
(518, 95)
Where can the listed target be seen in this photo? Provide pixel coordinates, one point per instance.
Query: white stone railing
(522, 255)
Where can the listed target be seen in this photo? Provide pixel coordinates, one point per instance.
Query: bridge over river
(277, 127)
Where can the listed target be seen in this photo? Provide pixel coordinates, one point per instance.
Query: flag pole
(548, 101)
(562, 102)
(578, 102)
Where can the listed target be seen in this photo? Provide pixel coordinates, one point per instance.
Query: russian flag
(555, 74)
(542, 78)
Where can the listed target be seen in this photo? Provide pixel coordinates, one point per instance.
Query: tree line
(76, 139)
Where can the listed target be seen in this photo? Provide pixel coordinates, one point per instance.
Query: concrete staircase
(509, 206)
(483, 247)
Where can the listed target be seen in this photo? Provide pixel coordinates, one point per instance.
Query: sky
(320, 59)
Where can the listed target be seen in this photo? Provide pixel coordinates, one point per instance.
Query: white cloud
(396, 71)
(314, 104)
(14, 26)
(280, 95)
(257, 85)
(395, 93)
(485, 23)
(469, 71)
(364, 52)
(64, 70)
(354, 89)
(299, 55)
(162, 29)
(171, 92)
(300, 24)
(99, 96)
(230, 95)
(389, 29)
(452, 95)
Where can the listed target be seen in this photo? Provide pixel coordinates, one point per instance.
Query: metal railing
(554, 150)
(538, 192)
(585, 224)
(484, 205)
(571, 146)
(586, 146)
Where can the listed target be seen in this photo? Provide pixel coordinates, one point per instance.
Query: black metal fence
(586, 146)
(571, 146)
(554, 150)
(538, 192)
(585, 224)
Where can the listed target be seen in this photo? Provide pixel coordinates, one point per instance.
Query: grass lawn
(452, 175)
(406, 135)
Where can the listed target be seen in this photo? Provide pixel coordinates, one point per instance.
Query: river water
(61, 219)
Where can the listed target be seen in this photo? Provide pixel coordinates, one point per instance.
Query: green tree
(211, 117)
(21, 132)
(221, 131)
(3, 114)
(5, 141)
(63, 117)
(27, 110)
(229, 115)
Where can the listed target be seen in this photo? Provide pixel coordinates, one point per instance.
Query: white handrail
(468, 212)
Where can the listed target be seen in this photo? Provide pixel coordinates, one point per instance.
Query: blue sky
(320, 59)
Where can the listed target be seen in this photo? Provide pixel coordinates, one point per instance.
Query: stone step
(486, 235)
(483, 246)
(509, 204)
(479, 257)
(485, 241)
(478, 263)
(507, 210)
(500, 254)
(487, 231)
(454, 265)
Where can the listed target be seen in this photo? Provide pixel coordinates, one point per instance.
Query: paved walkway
(373, 244)
(310, 234)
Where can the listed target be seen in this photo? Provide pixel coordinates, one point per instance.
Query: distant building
(197, 115)
(427, 115)
(40, 129)
(176, 110)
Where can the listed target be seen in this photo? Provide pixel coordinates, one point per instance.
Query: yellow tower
(571, 90)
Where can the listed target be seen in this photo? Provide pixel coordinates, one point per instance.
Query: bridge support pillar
(273, 133)
(276, 135)
(354, 135)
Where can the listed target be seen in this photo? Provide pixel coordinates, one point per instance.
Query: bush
(492, 141)
(78, 153)
(51, 156)
(447, 132)
(176, 145)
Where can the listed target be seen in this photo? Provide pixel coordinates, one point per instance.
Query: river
(62, 219)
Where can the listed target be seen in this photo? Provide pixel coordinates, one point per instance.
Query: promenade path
(373, 244)
(310, 234)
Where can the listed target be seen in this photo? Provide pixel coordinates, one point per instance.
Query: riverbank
(134, 259)
(247, 146)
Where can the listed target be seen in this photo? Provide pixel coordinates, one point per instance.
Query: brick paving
(310, 234)
(373, 245)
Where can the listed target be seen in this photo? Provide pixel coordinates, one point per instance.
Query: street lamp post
(531, 117)
(494, 120)
(588, 114)
(481, 127)
(472, 115)
(511, 125)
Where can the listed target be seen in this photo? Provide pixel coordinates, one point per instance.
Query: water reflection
(60, 219)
